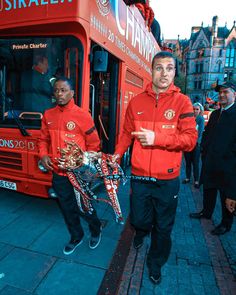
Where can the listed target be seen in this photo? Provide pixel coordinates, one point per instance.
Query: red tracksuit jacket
(67, 123)
(171, 117)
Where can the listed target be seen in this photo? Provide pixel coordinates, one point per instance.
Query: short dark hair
(67, 80)
(163, 54)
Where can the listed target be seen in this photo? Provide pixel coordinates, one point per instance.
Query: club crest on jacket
(70, 125)
(169, 114)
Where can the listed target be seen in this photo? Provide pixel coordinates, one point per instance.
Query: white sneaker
(95, 241)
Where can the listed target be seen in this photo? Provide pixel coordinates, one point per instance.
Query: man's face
(44, 65)
(226, 96)
(163, 73)
(63, 93)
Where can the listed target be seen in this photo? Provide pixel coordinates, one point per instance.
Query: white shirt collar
(226, 108)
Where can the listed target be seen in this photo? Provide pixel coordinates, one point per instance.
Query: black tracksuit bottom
(153, 209)
(71, 211)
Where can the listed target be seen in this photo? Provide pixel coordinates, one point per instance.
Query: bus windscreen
(30, 66)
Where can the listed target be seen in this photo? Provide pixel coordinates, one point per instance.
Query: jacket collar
(228, 107)
(172, 88)
(66, 107)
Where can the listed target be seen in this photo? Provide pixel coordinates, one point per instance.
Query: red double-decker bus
(104, 47)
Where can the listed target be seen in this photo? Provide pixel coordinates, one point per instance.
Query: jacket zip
(155, 109)
(59, 128)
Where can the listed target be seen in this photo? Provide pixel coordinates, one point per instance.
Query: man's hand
(62, 164)
(145, 136)
(47, 163)
(230, 204)
(114, 160)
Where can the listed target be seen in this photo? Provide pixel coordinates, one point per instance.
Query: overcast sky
(176, 17)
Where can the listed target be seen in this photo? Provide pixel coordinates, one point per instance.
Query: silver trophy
(73, 158)
(84, 169)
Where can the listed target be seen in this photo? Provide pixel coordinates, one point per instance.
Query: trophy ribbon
(112, 186)
(82, 168)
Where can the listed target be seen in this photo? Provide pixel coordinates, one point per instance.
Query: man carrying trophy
(63, 127)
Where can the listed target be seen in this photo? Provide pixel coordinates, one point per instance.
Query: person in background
(36, 87)
(231, 204)
(192, 159)
(68, 122)
(161, 123)
(219, 158)
(206, 113)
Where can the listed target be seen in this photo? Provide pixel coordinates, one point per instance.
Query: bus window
(31, 66)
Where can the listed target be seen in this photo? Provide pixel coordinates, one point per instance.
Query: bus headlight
(52, 194)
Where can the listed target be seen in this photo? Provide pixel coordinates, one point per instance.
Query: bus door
(103, 95)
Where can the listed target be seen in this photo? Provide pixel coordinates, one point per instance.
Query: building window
(198, 84)
(201, 67)
(197, 66)
(219, 66)
(226, 76)
(229, 61)
(200, 53)
(220, 53)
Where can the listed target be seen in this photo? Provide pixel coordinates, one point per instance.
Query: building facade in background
(208, 58)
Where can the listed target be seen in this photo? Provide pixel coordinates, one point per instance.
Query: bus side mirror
(100, 61)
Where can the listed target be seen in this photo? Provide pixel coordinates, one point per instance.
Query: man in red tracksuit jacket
(160, 123)
(68, 122)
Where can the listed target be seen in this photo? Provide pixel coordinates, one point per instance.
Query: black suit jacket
(219, 152)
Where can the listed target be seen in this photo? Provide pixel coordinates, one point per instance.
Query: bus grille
(10, 160)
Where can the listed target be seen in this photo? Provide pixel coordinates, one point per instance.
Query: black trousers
(153, 209)
(192, 159)
(209, 202)
(71, 211)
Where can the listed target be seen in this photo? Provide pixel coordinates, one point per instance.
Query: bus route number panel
(8, 185)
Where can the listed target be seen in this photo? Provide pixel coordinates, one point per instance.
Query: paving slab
(71, 278)
(25, 269)
(23, 230)
(9, 290)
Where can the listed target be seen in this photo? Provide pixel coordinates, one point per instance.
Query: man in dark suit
(219, 158)
(36, 87)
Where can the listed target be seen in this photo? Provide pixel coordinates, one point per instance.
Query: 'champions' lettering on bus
(128, 27)
(17, 144)
(137, 30)
(8, 5)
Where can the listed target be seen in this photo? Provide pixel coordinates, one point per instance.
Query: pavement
(33, 234)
